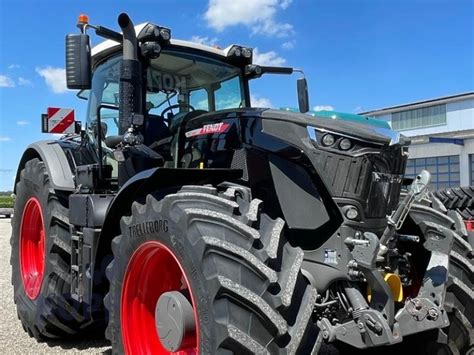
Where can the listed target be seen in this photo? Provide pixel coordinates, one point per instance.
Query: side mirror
(303, 99)
(78, 62)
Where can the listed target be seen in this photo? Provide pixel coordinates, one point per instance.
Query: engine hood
(354, 129)
(361, 131)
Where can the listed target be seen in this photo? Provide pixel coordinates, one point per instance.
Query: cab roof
(105, 48)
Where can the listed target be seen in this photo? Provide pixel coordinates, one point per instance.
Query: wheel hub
(153, 300)
(32, 248)
(174, 321)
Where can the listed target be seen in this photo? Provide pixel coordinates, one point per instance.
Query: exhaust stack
(130, 92)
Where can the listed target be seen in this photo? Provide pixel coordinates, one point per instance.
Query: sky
(357, 55)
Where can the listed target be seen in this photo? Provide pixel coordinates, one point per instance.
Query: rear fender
(55, 160)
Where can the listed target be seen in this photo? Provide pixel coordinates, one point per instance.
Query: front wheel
(204, 271)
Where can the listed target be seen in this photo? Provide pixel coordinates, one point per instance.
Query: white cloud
(55, 78)
(273, 29)
(270, 58)
(208, 41)
(323, 108)
(5, 139)
(288, 44)
(22, 123)
(24, 82)
(13, 66)
(6, 82)
(259, 15)
(260, 101)
(285, 3)
(358, 109)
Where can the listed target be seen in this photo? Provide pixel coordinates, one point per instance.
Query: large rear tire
(40, 258)
(237, 271)
(460, 199)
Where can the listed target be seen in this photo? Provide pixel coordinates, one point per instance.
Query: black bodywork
(278, 155)
(305, 183)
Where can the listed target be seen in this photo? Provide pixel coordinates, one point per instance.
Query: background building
(442, 133)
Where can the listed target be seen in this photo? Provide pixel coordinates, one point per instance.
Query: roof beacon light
(83, 19)
(82, 22)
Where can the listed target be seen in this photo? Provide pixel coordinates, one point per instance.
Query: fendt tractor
(180, 219)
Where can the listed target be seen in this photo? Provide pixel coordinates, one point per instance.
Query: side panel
(51, 153)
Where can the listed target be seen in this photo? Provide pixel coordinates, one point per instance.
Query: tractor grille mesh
(374, 180)
(239, 161)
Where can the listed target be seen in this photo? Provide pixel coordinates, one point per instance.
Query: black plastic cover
(88, 179)
(78, 62)
(87, 210)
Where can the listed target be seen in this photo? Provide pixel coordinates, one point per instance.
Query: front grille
(373, 179)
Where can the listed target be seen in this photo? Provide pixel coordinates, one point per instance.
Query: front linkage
(375, 323)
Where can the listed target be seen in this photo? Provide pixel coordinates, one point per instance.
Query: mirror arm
(103, 32)
(299, 71)
(277, 70)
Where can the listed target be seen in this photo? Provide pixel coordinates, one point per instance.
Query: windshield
(187, 80)
(202, 82)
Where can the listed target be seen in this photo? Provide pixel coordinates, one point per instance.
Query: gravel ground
(13, 339)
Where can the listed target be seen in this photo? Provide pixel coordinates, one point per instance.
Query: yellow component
(83, 19)
(201, 165)
(393, 281)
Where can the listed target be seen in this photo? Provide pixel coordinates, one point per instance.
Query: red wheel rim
(32, 245)
(152, 271)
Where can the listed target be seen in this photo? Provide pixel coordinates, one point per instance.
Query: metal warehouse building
(442, 134)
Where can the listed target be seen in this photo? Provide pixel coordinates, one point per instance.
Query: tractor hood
(334, 115)
(363, 131)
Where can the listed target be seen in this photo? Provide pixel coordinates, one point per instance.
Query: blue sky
(357, 54)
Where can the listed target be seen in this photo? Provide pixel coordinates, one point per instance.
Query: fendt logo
(220, 127)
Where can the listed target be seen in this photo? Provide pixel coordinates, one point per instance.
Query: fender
(57, 165)
(138, 187)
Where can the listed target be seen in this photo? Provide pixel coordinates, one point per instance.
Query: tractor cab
(164, 83)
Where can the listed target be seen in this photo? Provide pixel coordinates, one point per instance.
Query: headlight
(345, 144)
(247, 52)
(165, 34)
(240, 55)
(328, 139)
(352, 213)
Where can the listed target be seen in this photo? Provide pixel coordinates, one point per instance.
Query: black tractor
(182, 220)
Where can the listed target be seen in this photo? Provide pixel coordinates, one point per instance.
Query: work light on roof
(247, 52)
(165, 33)
(241, 54)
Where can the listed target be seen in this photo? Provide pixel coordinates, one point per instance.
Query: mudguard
(57, 165)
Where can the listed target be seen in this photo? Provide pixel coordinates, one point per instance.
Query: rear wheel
(460, 199)
(224, 264)
(40, 258)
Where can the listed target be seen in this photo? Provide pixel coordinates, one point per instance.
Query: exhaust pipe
(130, 91)
(129, 37)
